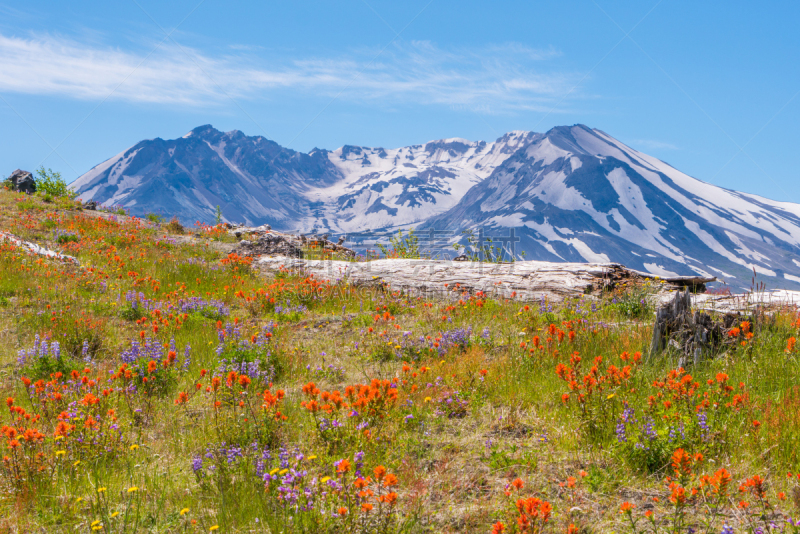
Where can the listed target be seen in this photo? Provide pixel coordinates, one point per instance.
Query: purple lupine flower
(702, 422)
(197, 464)
(187, 360)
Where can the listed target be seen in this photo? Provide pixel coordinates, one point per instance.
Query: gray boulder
(22, 181)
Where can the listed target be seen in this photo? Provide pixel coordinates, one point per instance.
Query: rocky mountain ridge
(572, 194)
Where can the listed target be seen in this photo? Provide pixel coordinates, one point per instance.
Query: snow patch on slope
(658, 270)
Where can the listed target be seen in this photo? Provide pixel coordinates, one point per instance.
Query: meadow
(165, 385)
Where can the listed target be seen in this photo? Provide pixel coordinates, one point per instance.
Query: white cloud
(492, 79)
(653, 144)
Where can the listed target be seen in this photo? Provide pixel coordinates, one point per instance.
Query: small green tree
(49, 182)
(218, 215)
(402, 247)
(486, 251)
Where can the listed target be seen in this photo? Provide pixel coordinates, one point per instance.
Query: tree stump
(692, 334)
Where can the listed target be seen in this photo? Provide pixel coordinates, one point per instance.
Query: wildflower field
(164, 385)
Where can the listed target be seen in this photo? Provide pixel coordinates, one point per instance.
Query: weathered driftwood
(748, 302)
(694, 334)
(33, 248)
(523, 280)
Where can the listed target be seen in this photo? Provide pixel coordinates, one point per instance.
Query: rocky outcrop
(263, 241)
(271, 244)
(22, 181)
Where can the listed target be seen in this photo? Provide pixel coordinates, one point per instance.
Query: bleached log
(33, 248)
(523, 280)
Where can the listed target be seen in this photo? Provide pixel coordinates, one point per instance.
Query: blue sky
(710, 89)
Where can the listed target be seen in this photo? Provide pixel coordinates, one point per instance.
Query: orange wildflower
(380, 472)
(626, 507)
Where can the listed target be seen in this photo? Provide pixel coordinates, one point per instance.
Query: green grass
(471, 414)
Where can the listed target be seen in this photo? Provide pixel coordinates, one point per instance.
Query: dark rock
(463, 257)
(341, 241)
(91, 205)
(270, 244)
(22, 181)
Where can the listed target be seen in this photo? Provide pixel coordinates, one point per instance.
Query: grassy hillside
(166, 386)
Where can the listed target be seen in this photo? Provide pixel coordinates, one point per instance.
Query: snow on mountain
(252, 179)
(384, 189)
(571, 194)
(577, 194)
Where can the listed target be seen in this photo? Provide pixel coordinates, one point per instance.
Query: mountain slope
(256, 181)
(384, 189)
(253, 179)
(571, 194)
(577, 194)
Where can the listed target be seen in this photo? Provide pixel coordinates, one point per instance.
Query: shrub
(175, 226)
(634, 301)
(402, 247)
(63, 239)
(50, 185)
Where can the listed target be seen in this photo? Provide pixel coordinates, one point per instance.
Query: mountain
(252, 179)
(256, 181)
(577, 194)
(571, 194)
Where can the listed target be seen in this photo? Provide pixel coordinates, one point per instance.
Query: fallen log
(522, 280)
(33, 248)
